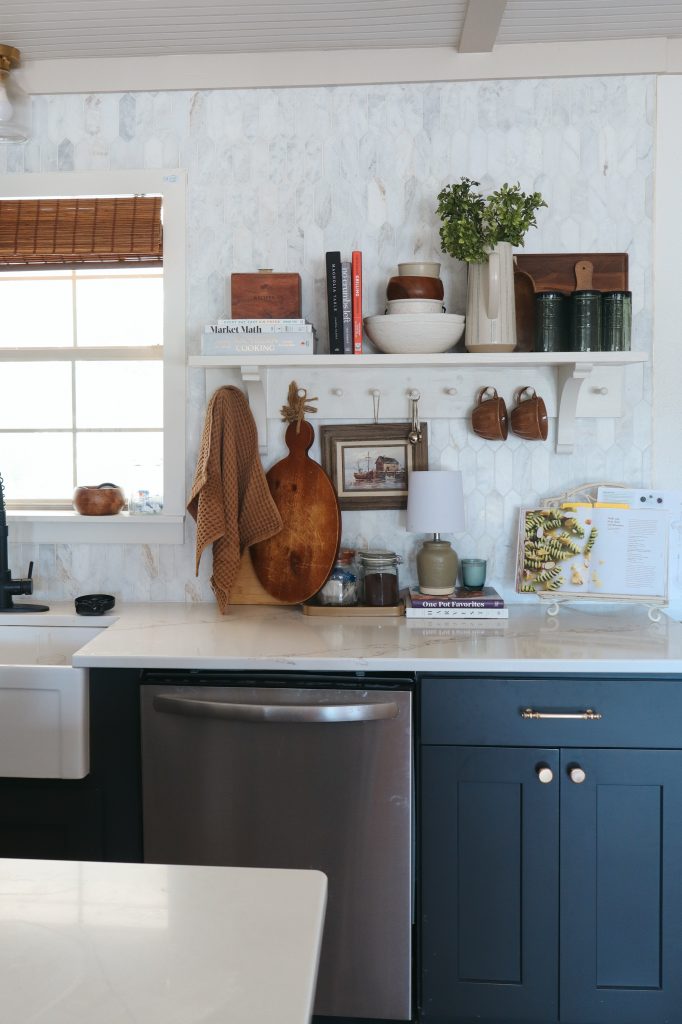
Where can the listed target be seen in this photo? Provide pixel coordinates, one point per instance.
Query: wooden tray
(353, 610)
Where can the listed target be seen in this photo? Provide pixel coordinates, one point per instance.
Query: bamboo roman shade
(109, 230)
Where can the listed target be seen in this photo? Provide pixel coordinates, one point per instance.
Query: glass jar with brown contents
(380, 583)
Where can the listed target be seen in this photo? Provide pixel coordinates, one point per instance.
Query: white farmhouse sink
(44, 721)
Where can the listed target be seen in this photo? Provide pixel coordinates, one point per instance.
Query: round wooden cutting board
(293, 565)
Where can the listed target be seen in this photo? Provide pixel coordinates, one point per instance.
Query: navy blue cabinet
(550, 880)
(490, 885)
(621, 887)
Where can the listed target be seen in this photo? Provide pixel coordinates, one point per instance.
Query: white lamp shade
(435, 501)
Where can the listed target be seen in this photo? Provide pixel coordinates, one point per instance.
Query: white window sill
(71, 528)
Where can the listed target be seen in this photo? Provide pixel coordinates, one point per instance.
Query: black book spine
(334, 303)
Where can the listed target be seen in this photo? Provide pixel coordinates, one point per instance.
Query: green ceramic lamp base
(437, 566)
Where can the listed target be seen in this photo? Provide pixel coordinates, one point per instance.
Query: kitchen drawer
(635, 712)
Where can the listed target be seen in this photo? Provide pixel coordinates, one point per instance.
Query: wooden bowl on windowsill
(100, 500)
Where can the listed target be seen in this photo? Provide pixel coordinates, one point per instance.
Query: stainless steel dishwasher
(295, 772)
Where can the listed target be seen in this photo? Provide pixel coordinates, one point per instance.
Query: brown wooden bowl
(102, 500)
(404, 287)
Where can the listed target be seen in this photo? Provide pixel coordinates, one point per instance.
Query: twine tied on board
(297, 406)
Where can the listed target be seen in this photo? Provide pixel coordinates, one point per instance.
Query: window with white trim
(92, 360)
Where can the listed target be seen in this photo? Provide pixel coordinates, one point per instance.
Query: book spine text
(334, 311)
(356, 275)
(347, 306)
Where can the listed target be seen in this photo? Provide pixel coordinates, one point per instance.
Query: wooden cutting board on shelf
(556, 271)
(293, 565)
(543, 271)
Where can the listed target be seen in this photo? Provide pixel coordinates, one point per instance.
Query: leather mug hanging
(529, 417)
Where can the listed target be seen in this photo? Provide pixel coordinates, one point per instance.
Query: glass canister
(616, 321)
(380, 578)
(585, 334)
(342, 587)
(551, 322)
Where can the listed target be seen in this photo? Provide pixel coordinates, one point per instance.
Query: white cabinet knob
(544, 773)
(577, 774)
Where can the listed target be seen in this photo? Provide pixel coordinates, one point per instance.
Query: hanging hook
(376, 399)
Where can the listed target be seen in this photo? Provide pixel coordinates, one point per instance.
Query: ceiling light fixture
(15, 105)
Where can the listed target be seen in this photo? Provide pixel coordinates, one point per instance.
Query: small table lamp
(435, 504)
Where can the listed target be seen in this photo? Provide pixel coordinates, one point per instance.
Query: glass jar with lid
(380, 578)
(341, 586)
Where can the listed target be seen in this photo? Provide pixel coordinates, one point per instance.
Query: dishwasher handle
(200, 707)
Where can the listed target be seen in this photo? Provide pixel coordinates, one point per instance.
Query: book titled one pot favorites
(485, 603)
(461, 597)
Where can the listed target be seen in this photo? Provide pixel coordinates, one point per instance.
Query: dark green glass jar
(551, 322)
(616, 321)
(585, 334)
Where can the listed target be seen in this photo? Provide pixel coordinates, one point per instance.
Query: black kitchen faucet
(8, 586)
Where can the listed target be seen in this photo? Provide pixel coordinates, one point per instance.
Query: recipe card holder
(556, 557)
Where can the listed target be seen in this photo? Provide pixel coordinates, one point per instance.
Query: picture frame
(369, 464)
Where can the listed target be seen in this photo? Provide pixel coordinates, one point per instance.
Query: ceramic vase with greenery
(473, 225)
(481, 232)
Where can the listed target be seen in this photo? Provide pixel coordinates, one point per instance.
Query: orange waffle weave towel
(230, 498)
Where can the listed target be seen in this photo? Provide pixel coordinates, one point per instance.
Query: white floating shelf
(573, 384)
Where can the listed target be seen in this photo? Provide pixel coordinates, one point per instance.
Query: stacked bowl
(415, 320)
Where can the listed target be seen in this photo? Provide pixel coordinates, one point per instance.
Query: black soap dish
(94, 604)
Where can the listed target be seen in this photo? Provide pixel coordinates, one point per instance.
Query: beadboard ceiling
(68, 29)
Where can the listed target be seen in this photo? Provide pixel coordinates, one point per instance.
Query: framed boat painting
(370, 463)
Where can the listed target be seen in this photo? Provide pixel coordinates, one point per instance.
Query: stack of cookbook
(463, 603)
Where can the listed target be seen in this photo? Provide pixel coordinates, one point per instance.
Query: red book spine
(356, 277)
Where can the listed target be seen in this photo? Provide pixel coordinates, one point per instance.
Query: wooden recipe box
(265, 295)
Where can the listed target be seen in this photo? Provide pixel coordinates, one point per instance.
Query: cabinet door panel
(50, 819)
(621, 888)
(489, 885)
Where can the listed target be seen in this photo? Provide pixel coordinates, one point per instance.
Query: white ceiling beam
(350, 67)
(481, 25)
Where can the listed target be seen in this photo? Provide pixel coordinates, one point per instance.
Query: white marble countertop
(85, 943)
(589, 638)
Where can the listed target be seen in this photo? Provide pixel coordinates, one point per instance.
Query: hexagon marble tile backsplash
(278, 176)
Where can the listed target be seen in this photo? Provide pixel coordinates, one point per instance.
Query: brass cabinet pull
(588, 715)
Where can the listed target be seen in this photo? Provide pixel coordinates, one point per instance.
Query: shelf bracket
(253, 378)
(571, 379)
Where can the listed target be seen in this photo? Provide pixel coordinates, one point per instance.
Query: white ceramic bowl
(421, 333)
(414, 306)
(419, 268)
